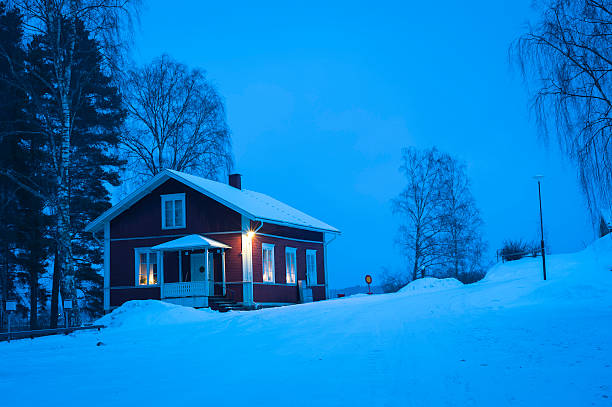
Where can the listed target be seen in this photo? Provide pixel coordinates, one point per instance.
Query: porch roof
(190, 242)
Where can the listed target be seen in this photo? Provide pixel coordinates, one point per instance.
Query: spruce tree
(11, 105)
(94, 167)
(22, 214)
(96, 164)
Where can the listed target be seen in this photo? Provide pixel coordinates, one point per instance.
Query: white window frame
(142, 250)
(290, 251)
(270, 278)
(311, 268)
(172, 198)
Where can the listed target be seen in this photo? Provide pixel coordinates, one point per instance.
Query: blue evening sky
(322, 96)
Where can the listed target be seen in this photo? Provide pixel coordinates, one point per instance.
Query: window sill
(173, 227)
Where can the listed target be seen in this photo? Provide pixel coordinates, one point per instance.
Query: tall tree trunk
(57, 270)
(33, 299)
(415, 269)
(4, 282)
(63, 63)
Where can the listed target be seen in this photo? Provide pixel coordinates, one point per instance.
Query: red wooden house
(187, 240)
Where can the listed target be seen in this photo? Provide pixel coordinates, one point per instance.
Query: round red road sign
(368, 279)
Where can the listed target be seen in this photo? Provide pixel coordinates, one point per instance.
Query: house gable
(202, 214)
(251, 204)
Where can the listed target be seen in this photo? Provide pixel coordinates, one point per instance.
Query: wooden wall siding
(271, 293)
(202, 214)
(123, 271)
(318, 293)
(277, 230)
(122, 260)
(171, 270)
(265, 293)
(233, 257)
(119, 296)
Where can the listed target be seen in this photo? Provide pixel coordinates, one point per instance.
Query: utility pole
(539, 178)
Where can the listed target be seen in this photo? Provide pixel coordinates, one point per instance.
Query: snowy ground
(511, 339)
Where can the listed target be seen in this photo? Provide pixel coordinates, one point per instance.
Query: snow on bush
(430, 284)
(135, 314)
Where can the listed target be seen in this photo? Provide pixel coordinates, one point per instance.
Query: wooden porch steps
(223, 304)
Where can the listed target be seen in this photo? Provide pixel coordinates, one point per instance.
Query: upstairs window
(173, 211)
(311, 267)
(267, 254)
(290, 264)
(146, 267)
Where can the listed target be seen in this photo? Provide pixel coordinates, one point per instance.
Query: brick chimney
(235, 180)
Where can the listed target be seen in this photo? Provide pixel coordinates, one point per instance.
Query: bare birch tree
(177, 121)
(56, 20)
(419, 206)
(440, 223)
(462, 243)
(566, 58)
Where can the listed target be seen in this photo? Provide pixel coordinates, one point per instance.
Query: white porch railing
(186, 289)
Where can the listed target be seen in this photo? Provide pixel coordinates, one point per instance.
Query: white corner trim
(325, 269)
(247, 262)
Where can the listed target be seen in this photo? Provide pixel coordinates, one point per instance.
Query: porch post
(207, 271)
(160, 259)
(223, 269)
(180, 266)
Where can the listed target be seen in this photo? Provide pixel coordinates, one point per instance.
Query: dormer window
(173, 211)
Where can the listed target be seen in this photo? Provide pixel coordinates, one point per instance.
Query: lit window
(146, 267)
(311, 267)
(267, 252)
(173, 211)
(290, 264)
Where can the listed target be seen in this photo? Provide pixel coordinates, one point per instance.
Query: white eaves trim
(254, 205)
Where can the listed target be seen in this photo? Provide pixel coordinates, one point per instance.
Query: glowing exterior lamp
(250, 234)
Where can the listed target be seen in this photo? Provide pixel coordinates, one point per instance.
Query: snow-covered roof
(254, 205)
(190, 242)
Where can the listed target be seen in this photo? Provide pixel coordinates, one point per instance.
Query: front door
(198, 267)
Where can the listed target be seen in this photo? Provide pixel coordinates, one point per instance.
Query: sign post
(67, 307)
(368, 280)
(10, 306)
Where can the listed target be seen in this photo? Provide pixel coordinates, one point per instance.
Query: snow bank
(582, 266)
(138, 314)
(430, 284)
(510, 340)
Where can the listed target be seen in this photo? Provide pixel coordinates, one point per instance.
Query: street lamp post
(539, 178)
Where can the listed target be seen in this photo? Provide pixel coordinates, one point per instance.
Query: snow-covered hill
(511, 339)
